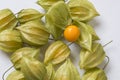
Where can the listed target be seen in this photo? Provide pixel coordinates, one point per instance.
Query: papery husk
(15, 75)
(46, 4)
(50, 71)
(29, 14)
(33, 69)
(83, 10)
(67, 71)
(57, 52)
(87, 36)
(85, 39)
(94, 74)
(7, 19)
(93, 33)
(34, 33)
(25, 51)
(10, 40)
(57, 19)
(92, 59)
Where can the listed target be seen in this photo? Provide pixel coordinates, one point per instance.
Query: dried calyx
(16, 57)
(33, 69)
(10, 40)
(67, 71)
(94, 74)
(56, 53)
(50, 71)
(16, 75)
(57, 18)
(83, 10)
(34, 33)
(46, 4)
(29, 14)
(92, 59)
(7, 20)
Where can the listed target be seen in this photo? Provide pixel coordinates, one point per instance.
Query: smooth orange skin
(71, 33)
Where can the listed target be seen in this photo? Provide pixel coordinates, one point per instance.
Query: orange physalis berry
(71, 33)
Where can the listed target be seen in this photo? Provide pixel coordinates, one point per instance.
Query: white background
(107, 27)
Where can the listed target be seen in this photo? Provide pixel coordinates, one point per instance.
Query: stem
(6, 72)
(50, 39)
(107, 43)
(70, 43)
(108, 60)
(16, 13)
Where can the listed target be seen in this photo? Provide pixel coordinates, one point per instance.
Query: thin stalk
(70, 43)
(50, 39)
(3, 76)
(107, 43)
(108, 60)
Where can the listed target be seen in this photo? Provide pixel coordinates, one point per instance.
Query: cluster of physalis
(25, 33)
